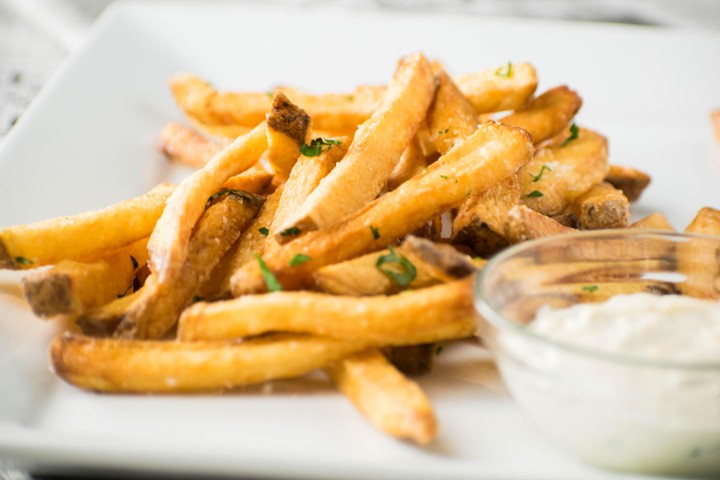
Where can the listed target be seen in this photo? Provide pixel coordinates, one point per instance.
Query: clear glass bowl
(617, 411)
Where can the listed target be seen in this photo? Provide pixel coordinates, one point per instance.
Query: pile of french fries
(337, 232)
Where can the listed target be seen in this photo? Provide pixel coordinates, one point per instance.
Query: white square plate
(87, 142)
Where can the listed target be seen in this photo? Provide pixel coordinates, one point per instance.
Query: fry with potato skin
(161, 302)
(288, 128)
(436, 313)
(168, 245)
(509, 87)
(72, 287)
(151, 366)
(698, 258)
(390, 401)
(186, 146)
(603, 206)
(558, 174)
(84, 236)
(495, 150)
(525, 224)
(374, 152)
(546, 115)
(630, 180)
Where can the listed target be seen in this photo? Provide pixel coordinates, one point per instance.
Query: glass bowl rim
(502, 323)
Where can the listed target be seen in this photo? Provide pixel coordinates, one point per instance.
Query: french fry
(374, 152)
(451, 118)
(631, 181)
(480, 220)
(698, 258)
(186, 146)
(304, 178)
(85, 236)
(603, 206)
(288, 128)
(546, 115)
(337, 113)
(161, 302)
(72, 287)
(432, 314)
(253, 180)
(151, 366)
(558, 174)
(390, 401)
(526, 224)
(506, 88)
(103, 320)
(412, 162)
(168, 245)
(495, 150)
(434, 263)
(654, 221)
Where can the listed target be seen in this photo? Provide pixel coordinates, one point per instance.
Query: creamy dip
(625, 414)
(670, 327)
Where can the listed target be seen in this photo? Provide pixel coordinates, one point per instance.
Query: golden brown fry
(558, 174)
(603, 206)
(84, 236)
(304, 178)
(495, 150)
(151, 366)
(375, 150)
(161, 302)
(168, 245)
(451, 118)
(631, 181)
(254, 180)
(526, 224)
(436, 313)
(698, 258)
(434, 263)
(496, 89)
(186, 145)
(337, 113)
(390, 401)
(547, 115)
(73, 287)
(654, 221)
(412, 162)
(288, 128)
(480, 220)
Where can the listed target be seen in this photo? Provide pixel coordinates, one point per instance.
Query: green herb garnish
(271, 282)
(535, 194)
(536, 178)
(443, 132)
(227, 191)
(317, 145)
(264, 231)
(438, 350)
(23, 261)
(590, 288)
(407, 271)
(574, 133)
(445, 177)
(298, 259)
(290, 231)
(134, 262)
(375, 232)
(505, 71)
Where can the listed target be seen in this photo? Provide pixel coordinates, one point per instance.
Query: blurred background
(37, 35)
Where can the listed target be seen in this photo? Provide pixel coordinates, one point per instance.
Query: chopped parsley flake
(443, 132)
(590, 288)
(445, 177)
(375, 232)
(317, 145)
(290, 231)
(574, 133)
(264, 231)
(134, 262)
(536, 178)
(406, 273)
(439, 350)
(535, 194)
(505, 72)
(23, 261)
(298, 259)
(271, 282)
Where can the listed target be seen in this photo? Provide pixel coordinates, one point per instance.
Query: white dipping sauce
(670, 327)
(626, 414)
